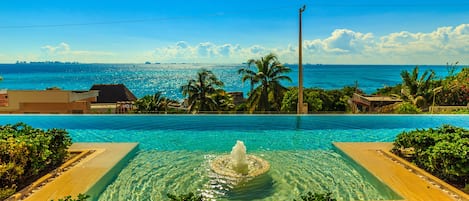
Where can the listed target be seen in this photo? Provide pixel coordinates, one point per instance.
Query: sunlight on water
(153, 174)
(147, 79)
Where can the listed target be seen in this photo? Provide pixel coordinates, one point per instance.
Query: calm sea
(144, 79)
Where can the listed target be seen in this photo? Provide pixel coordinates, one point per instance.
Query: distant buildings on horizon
(47, 62)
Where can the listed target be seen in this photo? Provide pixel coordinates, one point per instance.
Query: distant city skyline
(233, 31)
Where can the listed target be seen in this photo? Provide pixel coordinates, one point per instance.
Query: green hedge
(26, 152)
(443, 151)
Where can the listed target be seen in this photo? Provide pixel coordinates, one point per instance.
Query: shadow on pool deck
(409, 181)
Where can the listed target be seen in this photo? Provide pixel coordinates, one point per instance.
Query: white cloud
(207, 52)
(444, 44)
(62, 48)
(63, 52)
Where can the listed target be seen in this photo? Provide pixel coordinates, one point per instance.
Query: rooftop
(113, 93)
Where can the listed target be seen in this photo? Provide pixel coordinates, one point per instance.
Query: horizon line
(210, 63)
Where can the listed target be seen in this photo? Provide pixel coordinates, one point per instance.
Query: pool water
(176, 150)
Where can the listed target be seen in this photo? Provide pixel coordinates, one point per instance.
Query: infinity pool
(176, 150)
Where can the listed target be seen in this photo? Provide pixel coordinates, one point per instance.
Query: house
(113, 93)
(49, 101)
(113, 98)
(363, 103)
(238, 97)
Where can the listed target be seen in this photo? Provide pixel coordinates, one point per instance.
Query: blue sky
(232, 31)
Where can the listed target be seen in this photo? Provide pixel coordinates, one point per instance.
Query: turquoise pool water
(175, 152)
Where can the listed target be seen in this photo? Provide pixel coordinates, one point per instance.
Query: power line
(219, 14)
(103, 22)
(425, 5)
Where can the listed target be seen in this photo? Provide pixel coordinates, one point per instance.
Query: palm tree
(201, 91)
(248, 74)
(153, 103)
(267, 76)
(417, 89)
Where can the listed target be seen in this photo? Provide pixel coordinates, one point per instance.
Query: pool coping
(407, 180)
(97, 167)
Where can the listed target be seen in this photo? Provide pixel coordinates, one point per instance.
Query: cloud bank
(343, 46)
(63, 52)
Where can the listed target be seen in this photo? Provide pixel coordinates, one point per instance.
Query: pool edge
(99, 168)
(398, 174)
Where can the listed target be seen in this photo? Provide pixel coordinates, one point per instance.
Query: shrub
(443, 152)
(407, 108)
(25, 152)
(80, 197)
(317, 197)
(461, 111)
(184, 197)
(290, 100)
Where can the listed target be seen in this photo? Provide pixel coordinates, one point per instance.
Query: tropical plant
(454, 89)
(442, 151)
(26, 152)
(290, 100)
(224, 101)
(309, 196)
(407, 108)
(417, 90)
(320, 100)
(153, 103)
(80, 197)
(200, 92)
(184, 197)
(266, 78)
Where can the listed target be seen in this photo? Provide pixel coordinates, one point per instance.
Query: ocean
(143, 79)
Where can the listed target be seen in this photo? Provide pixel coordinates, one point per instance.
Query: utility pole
(300, 109)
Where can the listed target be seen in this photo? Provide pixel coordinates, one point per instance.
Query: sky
(233, 31)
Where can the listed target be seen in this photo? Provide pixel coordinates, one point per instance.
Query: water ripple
(152, 174)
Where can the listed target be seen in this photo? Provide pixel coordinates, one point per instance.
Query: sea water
(143, 79)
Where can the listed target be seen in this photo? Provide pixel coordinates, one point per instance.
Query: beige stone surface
(404, 178)
(82, 177)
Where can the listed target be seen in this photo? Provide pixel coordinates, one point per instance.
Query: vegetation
(309, 196)
(185, 197)
(80, 197)
(290, 100)
(407, 108)
(153, 103)
(425, 90)
(444, 152)
(454, 89)
(26, 153)
(320, 100)
(205, 93)
(461, 111)
(417, 90)
(266, 90)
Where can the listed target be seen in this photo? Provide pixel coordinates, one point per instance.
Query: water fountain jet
(239, 164)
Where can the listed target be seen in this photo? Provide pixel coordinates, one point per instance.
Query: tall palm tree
(267, 75)
(201, 91)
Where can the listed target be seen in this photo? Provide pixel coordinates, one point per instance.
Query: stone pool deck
(90, 175)
(407, 180)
